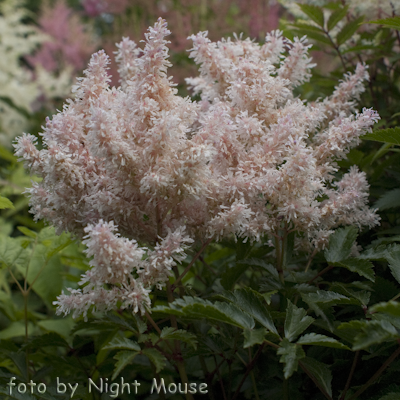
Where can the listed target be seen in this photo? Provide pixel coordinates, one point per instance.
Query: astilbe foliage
(247, 160)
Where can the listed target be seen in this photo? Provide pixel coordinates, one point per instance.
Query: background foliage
(329, 329)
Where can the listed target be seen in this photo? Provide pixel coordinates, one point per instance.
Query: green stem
(181, 276)
(376, 375)
(285, 389)
(178, 355)
(353, 368)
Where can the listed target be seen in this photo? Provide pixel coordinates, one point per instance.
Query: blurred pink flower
(97, 7)
(70, 44)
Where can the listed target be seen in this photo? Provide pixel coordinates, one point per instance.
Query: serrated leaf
(290, 354)
(253, 336)
(180, 334)
(375, 332)
(391, 396)
(252, 303)
(336, 17)
(120, 342)
(362, 296)
(48, 339)
(316, 339)
(393, 259)
(390, 199)
(197, 308)
(155, 357)
(348, 31)
(314, 12)
(296, 321)
(392, 22)
(340, 244)
(123, 358)
(390, 307)
(5, 203)
(231, 275)
(390, 135)
(12, 253)
(321, 374)
(362, 267)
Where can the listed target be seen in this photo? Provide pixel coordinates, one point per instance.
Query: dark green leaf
(348, 30)
(123, 358)
(391, 396)
(290, 355)
(321, 340)
(336, 17)
(340, 244)
(120, 342)
(374, 332)
(390, 199)
(252, 303)
(196, 308)
(180, 334)
(231, 275)
(321, 374)
(390, 307)
(155, 357)
(393, 259)
(362, 267)
(314, 12)
(296, 321)
(390, 135)
(253, 336)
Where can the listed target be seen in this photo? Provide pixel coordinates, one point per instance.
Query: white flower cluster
(249, 159)
(18, 89)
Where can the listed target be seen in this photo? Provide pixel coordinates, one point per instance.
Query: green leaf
(12, 253)
(374, 332)
(390, 307)
(231, 275)
(252, 303)
(120, 342)
(391, 396)
(27, 232)
(392, 22)
(296, 321)
(48, 339)
(316, 339)
(340, 244)
(180, 334)
(155, 357)
(348, 30)
(197, 308)
(390, 199)
(320, 374)
(290, 354)
(253, 336)
(336, 17)
(390, 135)
(393, 259)
(362, 267)
(314, 12)
(5, 203)
(123, 358)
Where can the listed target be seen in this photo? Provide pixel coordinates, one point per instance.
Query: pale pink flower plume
(245, 161)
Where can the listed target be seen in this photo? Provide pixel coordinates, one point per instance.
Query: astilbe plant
(141, 174)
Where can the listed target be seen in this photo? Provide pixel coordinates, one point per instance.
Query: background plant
(342, 298)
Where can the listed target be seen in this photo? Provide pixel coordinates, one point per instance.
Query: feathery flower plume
(248, 160)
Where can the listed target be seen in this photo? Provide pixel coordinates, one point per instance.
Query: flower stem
(376, 375)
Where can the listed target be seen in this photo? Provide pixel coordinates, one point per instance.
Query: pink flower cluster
(69, 42)
(248, 160)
